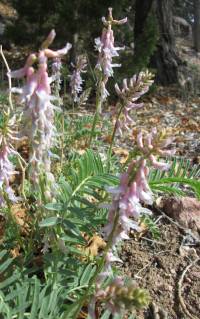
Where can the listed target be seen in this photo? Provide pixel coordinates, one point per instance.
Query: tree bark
(165, 58)
(142, 9)
(144, 34)
(197, 25)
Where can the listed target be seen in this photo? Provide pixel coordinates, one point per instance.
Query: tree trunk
(197, 25)
(142, 9)
(144, 34)
(165, 59)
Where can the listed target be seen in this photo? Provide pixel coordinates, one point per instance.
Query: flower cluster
(119, 296)
(134, 190)
(153, 144)
(76, 80)
(107, 51)
(7, 169)
(127, 198)
(127, 202)
(39, 110)
(129, 94)
(56, 74)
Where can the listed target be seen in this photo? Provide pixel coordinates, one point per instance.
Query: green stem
(95, 120)
(113, 137)
(23, 169)
(97, 113)
(99, 268)
(62, 140)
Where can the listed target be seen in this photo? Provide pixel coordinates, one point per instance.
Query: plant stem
(99, 268)
(23, 169)
(62, 139)
(113, 137)
(9, 78)
(97, 112)
(95, 120)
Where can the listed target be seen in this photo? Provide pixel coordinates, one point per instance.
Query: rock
(186, 251)
(186, 211)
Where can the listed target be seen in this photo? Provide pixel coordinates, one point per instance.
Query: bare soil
(158, 265)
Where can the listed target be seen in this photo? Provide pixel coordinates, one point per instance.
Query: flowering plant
(39, 110)
(7, 169)
(83, 206)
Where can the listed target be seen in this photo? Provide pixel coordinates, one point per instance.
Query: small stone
(173, 271)
(170, 288)
(185, 211)
(186, 251)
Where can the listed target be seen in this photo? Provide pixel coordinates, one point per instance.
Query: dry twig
(9, 78)
(184, 308)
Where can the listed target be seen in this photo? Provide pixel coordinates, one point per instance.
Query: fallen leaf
(123, 153)
(94, 245)
(21, 217)
(107, 139)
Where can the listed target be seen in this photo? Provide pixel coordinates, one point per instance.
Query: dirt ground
(158, 266)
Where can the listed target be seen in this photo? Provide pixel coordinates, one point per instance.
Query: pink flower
(39, 110)
(131, 91)
(159, 165)
(7, 169)
(23, 71)
(151, 145)
(76, 80)
(107, 51)
(127, 199)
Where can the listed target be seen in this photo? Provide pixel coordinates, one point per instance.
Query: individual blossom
(129, 94)
(76, 80)
(39, 107)
(107, 51)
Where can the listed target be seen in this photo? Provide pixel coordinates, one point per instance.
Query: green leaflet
(180, 173)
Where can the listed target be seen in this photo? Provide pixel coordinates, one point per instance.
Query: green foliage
(82, 127)
(23, 297)
(77, 131)
(184, 9)
(152, 227)
(3, 99)
(37, 18)
(87, 176)
(181, 173)
(81, 190)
